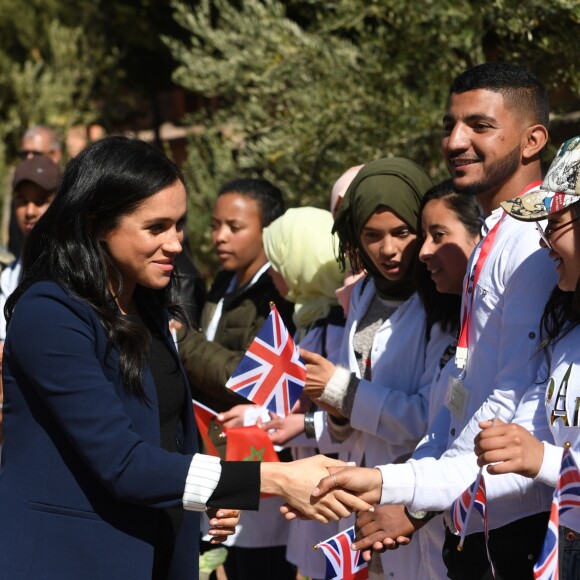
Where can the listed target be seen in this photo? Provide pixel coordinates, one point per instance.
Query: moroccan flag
(271, 374)
(249, 444)
(342, 563)
(203, 418)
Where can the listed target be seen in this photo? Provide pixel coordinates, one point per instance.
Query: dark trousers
(569, 548)
(514, 549)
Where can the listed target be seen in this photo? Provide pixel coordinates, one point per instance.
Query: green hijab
(300, 247)
(396, 183)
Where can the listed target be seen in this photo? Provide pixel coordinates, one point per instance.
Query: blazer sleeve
(53, 346)
(238, 487)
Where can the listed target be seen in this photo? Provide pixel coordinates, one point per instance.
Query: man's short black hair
(520, 88)
(268, 197)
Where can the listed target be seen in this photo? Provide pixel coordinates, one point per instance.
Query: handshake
(328, 489)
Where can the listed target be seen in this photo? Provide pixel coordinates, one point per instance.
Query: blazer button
(570, 536)
(453, 432)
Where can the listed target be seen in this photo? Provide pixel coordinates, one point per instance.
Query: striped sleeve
(202, 479)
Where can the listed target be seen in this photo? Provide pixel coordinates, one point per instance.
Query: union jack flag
(546, 568)
(474, 497)
(568, 488)
(271, 374)
(460, 508)
(566, 497)
(342, 563)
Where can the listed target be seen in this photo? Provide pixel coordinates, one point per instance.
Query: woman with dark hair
(450, 227)
(238, 304)
(100, 445)
(440, 288)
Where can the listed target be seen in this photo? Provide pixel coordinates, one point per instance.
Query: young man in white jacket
(495, 130)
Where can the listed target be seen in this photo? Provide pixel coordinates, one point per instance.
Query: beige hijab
(300, 247)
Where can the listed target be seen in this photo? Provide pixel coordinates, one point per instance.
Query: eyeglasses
(550, 229)
(26, 153)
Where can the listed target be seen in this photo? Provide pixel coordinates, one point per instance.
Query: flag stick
(463, 532)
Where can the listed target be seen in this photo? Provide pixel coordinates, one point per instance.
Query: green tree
(306, 89)
(92, 63)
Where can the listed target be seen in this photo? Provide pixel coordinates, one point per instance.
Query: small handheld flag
(566, 497)
(474, 497)
(461, 508)
(203, 417)
(271, 374)
(342, 563)
(249, 444)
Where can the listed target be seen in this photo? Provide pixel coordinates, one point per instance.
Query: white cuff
(319, 424)
(335, 390)
(398, 483)
(202, 479)
(550, 469)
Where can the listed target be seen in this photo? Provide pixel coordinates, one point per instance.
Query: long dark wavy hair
(445, 308)
(561, 313)
(106, 181)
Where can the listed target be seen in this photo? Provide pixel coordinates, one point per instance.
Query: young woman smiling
(100, 454)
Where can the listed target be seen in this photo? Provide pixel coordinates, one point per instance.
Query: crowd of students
(429, 355)
(436, 322)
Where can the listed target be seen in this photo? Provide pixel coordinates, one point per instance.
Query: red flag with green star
(249, 444)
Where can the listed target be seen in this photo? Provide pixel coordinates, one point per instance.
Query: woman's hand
(234, 417)
(223, 523)
(318, 370)
(281, 430)
(510, 447)
(295, 481)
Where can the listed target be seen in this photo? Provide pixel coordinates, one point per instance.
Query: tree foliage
(63, 65)
(308, 88)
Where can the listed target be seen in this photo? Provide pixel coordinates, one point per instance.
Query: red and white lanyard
(470, 285)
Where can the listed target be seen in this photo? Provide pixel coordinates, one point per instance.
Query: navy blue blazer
(82, 471)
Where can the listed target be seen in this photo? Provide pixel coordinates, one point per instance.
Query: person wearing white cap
(553, 401)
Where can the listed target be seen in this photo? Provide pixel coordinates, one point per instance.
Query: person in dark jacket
(100, 476)
(240, 297)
